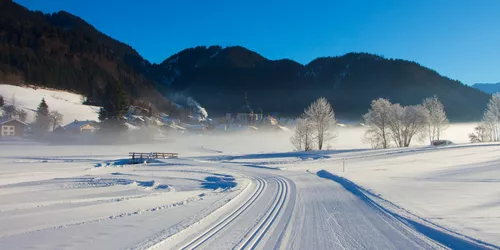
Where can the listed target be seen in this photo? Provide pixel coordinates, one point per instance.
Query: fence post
(343, 165)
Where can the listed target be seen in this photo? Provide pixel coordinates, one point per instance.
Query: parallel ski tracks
(255, 236)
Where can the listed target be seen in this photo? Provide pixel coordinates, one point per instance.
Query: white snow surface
(250, 190)
(68, 104)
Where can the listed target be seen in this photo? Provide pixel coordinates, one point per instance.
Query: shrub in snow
(482, 133)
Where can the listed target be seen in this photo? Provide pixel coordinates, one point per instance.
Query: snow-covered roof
(9, 120)
(176, 127)
(131, 127)
(78, 124)
(138, 117)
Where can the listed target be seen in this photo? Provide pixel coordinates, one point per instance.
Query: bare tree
(303, 136)
(407, 122)
(373, 137)
(377, 120)
(437, 122)
(55, 119)
(492, 116)
(22, 115)
(322, 117)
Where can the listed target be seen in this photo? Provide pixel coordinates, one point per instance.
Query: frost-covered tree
(55, 119)
(437, 122)
(322, 118)
(302, 138)
(407, 122)
(492, 116)
(377, 120)
(482, 133)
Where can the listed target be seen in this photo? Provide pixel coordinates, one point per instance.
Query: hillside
(220, 77)
(62, 51)
(489, 88)
(68, 104)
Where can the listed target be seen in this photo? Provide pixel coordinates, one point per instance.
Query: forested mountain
(220, 77)
(63, 51)
(489, 88)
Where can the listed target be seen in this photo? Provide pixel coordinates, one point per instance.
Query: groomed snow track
(257, 230)
(261, 184)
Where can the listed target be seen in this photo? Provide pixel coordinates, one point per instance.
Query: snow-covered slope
(68, 104)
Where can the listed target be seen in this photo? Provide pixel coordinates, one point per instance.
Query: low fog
(249, 142)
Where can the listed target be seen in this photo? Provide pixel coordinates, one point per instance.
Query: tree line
(387, 124)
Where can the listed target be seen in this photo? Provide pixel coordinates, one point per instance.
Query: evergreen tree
(2, 103)
(42, 122)
(113, 107)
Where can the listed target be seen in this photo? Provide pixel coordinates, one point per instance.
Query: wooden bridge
(145, 157)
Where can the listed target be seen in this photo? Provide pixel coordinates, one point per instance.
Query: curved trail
(276, 209)
(261, 184)
(294, 210)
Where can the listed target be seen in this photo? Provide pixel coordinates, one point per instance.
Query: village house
(77, 127)
(13, 127)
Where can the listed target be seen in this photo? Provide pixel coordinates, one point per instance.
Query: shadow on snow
(219, 181)
(443, 238)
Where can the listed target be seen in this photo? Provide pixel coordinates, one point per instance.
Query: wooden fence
(135, 156)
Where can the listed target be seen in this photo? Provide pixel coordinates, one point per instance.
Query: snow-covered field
(245, 190)
(249, 190)
(68, 104)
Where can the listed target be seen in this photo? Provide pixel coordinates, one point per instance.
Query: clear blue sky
(458, 38)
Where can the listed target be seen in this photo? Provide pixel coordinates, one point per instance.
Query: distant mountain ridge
(489, 88)
(62, 51)
(220, 78)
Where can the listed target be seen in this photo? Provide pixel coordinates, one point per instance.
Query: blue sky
(459, 39)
